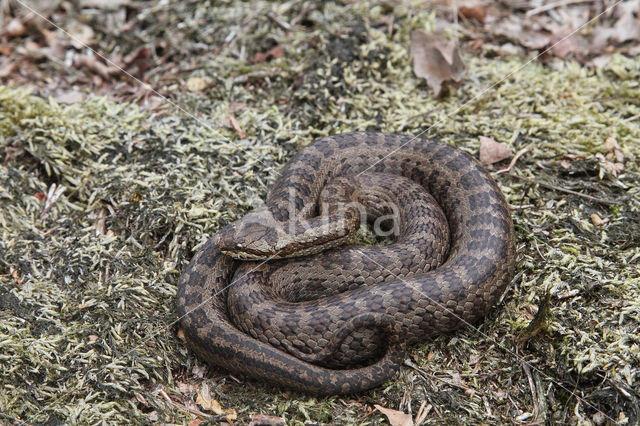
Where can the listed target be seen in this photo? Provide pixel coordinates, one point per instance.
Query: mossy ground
(88, 282)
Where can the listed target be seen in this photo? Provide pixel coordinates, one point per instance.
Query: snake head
(258, 235)
(255, 236)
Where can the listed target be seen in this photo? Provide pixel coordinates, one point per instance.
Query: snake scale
(272, 321)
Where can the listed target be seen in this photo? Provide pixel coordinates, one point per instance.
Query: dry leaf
(477, 13)
(519, 32)
(7, 68)
(613, 168)
(614, 159)
(139, 59)
(206, 401)
(436, 60)
(184, 388)
(15, 28)
(94, 64)
(199, 371)
(70, 97)
(627, 27)
(81, 35)
(492, 151)
(262, 420)
(565, 47)
(597, 220)
(396, 418)
(197, 84)
(614, 150)
(273, 53)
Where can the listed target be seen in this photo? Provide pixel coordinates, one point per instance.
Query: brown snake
(379, 298)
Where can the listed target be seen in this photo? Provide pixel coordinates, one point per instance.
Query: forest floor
(131, 131)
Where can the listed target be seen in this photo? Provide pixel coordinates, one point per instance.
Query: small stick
(635, 117)
(282, 24)
(513, 160)
(561, 189)
(302, 14)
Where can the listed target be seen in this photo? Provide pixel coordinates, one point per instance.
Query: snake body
(354, 338)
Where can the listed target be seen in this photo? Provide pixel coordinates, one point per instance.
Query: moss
(88, 282)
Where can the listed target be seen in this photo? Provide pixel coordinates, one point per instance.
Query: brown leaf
(139, 59)
(263, 420)
(521, 33)
(206, 401)
(396, 418)
(477, 13)
(273, 53)
(436, 60)
(613, 149)
(613, 168)
(626, 28)
(565, 47)
(94, 64)
(492, 151)
(7, 68)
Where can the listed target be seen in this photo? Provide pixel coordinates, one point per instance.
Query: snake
(282, 296)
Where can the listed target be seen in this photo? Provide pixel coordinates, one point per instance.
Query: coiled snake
(270, 320)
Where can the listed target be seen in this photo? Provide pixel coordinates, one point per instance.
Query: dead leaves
(207, 402)
(264, 420)
(437, 60)
(275, 52)
(613, 160)
(492, 151)
(477, 13)
(552, 29)
(396, 418)
(626, 27)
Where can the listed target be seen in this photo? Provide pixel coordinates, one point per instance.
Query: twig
(554, 5)
(635, 117)
(568, 191)
(513, 160)
(282, 24)
(303, 14)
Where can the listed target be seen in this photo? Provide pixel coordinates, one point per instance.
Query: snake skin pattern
(354, 338)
